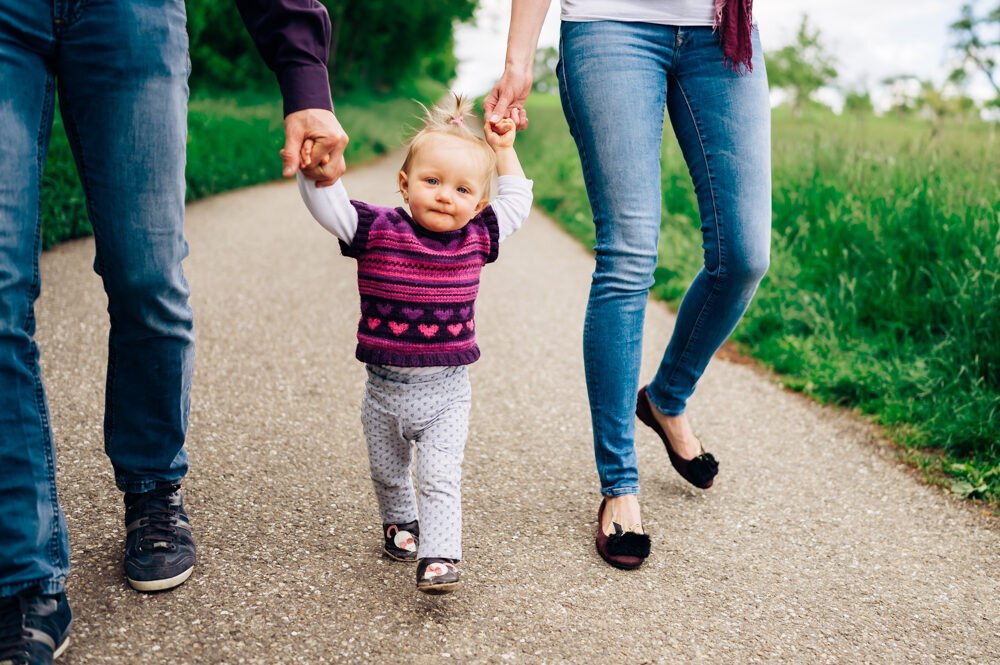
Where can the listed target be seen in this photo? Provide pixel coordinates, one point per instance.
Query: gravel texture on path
(814, 545)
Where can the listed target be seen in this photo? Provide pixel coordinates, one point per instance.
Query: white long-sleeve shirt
(332, 208)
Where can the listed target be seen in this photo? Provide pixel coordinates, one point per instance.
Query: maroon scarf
(733, 21)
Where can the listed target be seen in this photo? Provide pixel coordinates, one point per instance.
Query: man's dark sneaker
(34, 628)
(159, 549)
(401, 541)
(437, 576)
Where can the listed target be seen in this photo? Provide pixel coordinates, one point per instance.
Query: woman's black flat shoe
(622, 549)
(700, 471)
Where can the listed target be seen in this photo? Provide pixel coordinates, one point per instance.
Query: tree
(914, 96)
(977, 52)
(223, 56)
(940, 103)
(904, 93)
(858, 102)
(544, 74)
(374, 44)
(801, 68)
(377, 43)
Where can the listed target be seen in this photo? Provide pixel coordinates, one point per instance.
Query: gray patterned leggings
(430, 412)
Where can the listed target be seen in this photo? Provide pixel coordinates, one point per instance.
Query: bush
(375, 45)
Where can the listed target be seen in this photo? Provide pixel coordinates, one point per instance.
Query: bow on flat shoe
(622, 549)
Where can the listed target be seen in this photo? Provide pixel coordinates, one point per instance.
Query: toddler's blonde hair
(449, 118)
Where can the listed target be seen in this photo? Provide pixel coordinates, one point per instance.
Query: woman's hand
(511, 91)
(507, 98)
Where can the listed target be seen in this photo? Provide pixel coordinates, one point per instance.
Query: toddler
(418, 276)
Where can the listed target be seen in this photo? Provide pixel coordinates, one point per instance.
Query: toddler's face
(445, 185)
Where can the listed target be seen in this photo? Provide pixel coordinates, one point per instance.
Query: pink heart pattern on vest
(428, 330)
(373, 323)
(398, 328)
(470, 324)
(455, 329)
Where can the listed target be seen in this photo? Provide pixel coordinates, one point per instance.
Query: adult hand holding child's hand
(314, 142)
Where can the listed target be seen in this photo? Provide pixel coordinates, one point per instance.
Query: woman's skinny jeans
(615, 80)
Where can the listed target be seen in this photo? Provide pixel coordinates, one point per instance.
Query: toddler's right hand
(501, 134)
(318, 170)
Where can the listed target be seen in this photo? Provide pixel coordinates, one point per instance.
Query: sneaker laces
(13, 636)
(157, 528)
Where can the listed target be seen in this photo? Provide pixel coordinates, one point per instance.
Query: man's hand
(314, 142)
(507, 98)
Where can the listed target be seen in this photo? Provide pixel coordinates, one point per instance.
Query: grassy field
(234, 142)
(884, 288)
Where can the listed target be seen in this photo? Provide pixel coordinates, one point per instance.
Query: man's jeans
(120, 68)
(615, 79)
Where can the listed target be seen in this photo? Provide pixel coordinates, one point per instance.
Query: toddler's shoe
(437, 576)
(401, 541)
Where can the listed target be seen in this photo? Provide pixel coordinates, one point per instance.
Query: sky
(870, 40)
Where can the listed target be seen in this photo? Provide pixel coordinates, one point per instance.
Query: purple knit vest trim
(418, 288)
(734, 22)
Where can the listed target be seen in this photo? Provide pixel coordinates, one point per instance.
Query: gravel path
(814, 546)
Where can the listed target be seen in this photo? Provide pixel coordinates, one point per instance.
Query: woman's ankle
(623, 510)
(679, 431)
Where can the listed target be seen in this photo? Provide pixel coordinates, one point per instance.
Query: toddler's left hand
(500, 134)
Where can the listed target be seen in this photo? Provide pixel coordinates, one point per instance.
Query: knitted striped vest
(418, 287)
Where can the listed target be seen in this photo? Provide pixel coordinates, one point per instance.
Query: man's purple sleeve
(293, 37)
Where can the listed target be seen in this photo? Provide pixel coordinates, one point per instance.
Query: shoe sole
(61, 649)
(439, 589)
(396, 558)
(160, 585)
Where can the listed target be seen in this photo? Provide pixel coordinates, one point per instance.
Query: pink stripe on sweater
(391, 240)
(407, 263)
(433, 347)
(436, 277)
(416, 293)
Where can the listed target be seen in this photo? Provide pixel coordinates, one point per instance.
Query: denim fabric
(615, 81)
(120, 67)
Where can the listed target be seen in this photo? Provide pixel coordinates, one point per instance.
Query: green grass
(884, 288)
(234, 142)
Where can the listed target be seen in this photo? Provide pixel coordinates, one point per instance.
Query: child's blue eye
(432, 181)
(463, 190)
